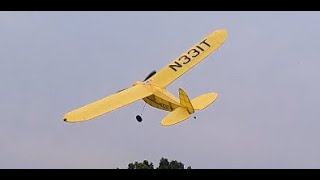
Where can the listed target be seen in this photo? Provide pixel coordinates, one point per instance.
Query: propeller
(150, 75)
(121, 90)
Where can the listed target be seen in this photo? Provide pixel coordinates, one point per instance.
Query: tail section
(185, 101)
(203, 101)
(188, 107)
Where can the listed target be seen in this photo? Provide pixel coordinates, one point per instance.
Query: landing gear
(139, 118)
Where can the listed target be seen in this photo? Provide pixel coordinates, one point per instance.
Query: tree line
(164, 163)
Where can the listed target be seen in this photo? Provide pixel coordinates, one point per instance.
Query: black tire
(139, 118)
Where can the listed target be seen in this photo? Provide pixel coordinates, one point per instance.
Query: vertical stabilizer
(185, 101)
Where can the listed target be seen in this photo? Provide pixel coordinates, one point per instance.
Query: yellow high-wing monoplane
(153, 89)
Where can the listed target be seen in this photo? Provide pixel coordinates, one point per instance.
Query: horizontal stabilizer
(178, 115)
(204, 100)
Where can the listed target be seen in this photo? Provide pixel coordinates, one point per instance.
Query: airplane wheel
(139, 118)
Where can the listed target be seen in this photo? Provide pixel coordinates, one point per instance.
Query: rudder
(185, 101)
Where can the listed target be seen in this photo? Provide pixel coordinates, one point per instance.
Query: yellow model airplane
(153, 89)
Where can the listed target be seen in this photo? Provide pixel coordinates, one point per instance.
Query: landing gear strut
(138, 117)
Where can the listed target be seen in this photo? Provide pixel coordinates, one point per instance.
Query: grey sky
(266, 75)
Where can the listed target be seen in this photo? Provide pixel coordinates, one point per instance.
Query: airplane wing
(189, 59)
(108, 104)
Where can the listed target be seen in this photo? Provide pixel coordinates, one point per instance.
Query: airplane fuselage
(161, 99)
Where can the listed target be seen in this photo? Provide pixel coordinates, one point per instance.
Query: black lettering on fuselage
(193, 53)
(200, 48)
(185, 58)
(174, 66)
(204, 42)
(164, 106)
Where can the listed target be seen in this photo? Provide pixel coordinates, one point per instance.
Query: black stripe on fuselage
(160, 104)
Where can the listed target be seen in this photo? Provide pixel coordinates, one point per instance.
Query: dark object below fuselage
(139, 118)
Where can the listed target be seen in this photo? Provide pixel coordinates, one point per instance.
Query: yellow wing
(189, 59)
(108, 104)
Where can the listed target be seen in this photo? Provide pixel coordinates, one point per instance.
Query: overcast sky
(266, 75)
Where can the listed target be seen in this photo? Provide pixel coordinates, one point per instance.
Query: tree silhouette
(140, 165)
(163, 164)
